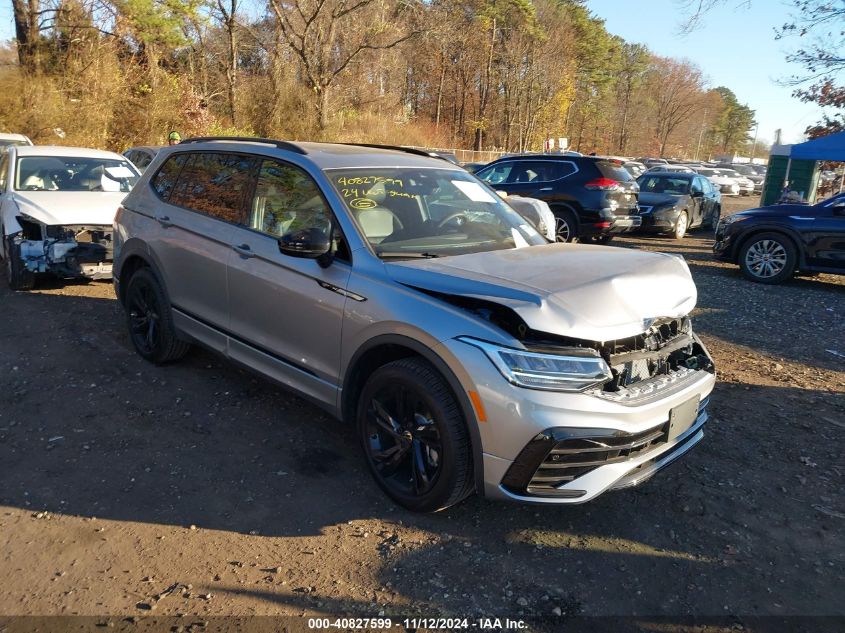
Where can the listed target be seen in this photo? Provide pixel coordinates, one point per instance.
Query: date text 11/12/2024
(448, 624)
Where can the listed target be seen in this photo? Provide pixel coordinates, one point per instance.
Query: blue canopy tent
(831, 147)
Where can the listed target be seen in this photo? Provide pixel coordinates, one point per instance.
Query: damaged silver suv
(400, 293)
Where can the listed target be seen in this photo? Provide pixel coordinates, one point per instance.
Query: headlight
(730, 219)
(551, 372)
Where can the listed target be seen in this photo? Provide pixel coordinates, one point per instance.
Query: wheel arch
(387, 348)
(780, 230)
(135, 256)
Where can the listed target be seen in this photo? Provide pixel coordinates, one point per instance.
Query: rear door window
(541, 171)
(496, 174)
(613, 170)
(215, 183)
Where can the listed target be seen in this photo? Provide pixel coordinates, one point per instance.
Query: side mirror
(310, 243)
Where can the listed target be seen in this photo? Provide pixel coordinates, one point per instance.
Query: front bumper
(658, 221)
(723, 246)
(518, 418)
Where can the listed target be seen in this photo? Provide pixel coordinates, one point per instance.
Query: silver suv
(400, 293)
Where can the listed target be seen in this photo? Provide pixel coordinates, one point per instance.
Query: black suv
(592, 198)
(772, 243)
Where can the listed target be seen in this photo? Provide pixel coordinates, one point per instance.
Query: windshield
(708, 172)
(409, 212)
(663, 184)
(70, 173)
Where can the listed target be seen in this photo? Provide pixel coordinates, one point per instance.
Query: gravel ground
(200, 489)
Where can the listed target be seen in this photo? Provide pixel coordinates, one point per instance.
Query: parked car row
(400, 293)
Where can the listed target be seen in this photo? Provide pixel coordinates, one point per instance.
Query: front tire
(681, 226)
(414, 436)
(768, 258)
(150, 320)
(714, 217)
(17, 274)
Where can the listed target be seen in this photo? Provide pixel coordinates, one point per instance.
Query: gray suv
(400, 293)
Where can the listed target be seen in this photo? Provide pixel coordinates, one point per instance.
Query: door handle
(164, 220)
(243, 250)
(544, 190)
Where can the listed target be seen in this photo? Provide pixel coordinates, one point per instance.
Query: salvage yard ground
(197, 488)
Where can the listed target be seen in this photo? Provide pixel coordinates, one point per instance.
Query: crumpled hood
(595, 293)
(70, 207)
(660, 199)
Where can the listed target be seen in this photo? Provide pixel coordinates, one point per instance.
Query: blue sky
(734, 47)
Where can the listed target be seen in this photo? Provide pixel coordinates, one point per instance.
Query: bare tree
(326, 37)
(677, 87)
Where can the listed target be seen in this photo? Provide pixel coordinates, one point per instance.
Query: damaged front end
(75, 251)
(665, 355)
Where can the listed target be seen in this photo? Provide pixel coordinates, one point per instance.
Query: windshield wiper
(408, 255)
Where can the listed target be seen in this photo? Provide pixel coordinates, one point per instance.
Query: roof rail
(399, 148)
(291, 147)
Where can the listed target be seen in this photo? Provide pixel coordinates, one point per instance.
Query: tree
(676, 88)
(733, 123)
(327, 35)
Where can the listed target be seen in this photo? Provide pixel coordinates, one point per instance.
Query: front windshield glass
(412, 212)
(663, 184)
(71, 173)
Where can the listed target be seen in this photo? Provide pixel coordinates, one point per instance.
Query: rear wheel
(768, 258)
(414, 436)
(150, 320)
(566, 227)
(17, 274)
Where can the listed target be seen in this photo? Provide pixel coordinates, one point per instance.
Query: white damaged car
(57, 207)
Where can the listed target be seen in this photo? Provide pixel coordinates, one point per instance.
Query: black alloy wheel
(150, 320)
(414, 436)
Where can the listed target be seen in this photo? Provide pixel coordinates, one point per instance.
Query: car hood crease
(587, 292)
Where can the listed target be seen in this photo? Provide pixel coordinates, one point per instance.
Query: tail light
(602, 184)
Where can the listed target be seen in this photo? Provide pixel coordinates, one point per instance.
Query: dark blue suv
(593, 198)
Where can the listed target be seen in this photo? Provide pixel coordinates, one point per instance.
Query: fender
(451, 379)
(135, 247)
(774, 227)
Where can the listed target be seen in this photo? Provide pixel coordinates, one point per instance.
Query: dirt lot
(129, 489)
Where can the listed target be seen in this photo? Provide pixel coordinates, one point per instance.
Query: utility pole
(701, 134)
(754, 146)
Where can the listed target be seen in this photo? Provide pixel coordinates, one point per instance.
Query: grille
(556, 456)
(572, 458)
